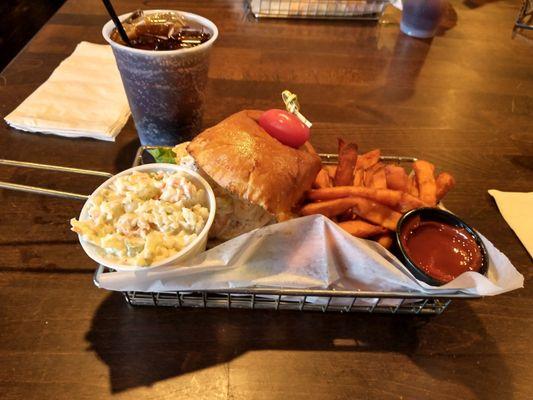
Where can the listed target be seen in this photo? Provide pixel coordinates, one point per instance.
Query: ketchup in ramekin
(438, 246)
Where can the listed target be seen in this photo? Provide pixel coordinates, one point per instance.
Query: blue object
(420, 18)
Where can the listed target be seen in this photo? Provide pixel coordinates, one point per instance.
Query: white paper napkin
(308, 252)
(83, 97)
(517, 209)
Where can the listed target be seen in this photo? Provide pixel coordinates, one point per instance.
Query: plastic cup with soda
(164, 71)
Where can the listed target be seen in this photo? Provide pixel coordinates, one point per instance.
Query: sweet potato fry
(329, 208)
(346, 166)
(412, 186)
(367, 177)
(364, 208)
(396, 177)
(444, 183)
(347, 215)
(338, 192)
(368, 160)
(425, 178)
(409, 202)
(332, 169)
(358, 177)
(340, 145)
(399, 201)
(322, 179)
(362, 229)
(374, 212)
(385, 240)
(379, 180)
(362, 177)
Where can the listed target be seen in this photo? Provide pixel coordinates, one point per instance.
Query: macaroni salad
(143, 218)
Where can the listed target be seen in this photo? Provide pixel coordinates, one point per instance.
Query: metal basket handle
(49, 192)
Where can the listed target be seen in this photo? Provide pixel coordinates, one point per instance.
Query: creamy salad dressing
(143, 218)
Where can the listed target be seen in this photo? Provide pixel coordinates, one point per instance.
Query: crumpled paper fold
(307, 253)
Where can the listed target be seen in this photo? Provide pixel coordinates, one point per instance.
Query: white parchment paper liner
(307, 253)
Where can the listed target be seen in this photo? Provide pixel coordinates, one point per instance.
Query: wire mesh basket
(524, 20)
(318, 9)
(291, 299)
(295, 300)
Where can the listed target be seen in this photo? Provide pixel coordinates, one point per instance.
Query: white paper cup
(194, 248)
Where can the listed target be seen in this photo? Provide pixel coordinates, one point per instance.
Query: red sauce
(440, 250)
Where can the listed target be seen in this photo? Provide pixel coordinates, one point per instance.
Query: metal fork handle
(49, 192)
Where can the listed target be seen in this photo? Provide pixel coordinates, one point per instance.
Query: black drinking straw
(117, 22)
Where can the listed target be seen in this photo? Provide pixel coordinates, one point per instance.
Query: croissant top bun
(246, 161)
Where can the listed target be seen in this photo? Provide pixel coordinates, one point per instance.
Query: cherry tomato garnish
(285, 127)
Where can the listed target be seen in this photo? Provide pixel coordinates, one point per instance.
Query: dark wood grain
(19, 21)
(463, 100)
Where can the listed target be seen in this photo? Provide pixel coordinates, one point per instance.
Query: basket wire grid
(318, 9)
(524, 20)
(291, 299)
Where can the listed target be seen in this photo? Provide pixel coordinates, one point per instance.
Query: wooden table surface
(463, 100)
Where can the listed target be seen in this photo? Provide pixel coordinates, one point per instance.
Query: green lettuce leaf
(163, 155)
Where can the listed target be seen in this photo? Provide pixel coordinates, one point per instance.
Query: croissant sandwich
(257, 180)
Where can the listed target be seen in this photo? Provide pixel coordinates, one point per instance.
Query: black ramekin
(436, 214)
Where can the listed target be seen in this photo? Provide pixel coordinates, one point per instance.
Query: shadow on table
(408, 59)
(144, 345)
(448, 20)
(409, 56)
(472, 4)
(126, 156)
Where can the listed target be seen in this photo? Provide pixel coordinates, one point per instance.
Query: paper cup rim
(108, 28)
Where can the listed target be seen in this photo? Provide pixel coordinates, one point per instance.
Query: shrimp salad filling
(143, 218)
